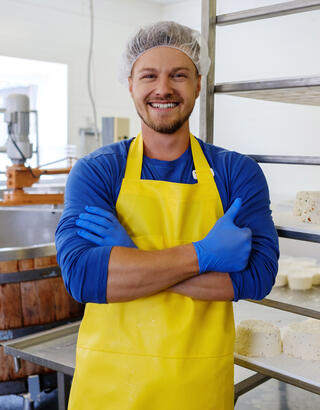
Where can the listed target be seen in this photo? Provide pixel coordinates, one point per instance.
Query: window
(46, 85)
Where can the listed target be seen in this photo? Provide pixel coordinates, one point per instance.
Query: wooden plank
(8, 266)
(5, 365)
(46, 301)
(46, 297)
(25, 264)
(54, 260)
(10, 299)
(10, 306)
(62, 306)
(44, 262)
(30, 303)
(29, 296)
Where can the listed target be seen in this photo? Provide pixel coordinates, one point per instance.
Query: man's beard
(165, 128)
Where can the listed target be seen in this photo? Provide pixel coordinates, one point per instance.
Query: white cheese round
(302, 340)
(300, 280)
(281, 278)
(315, 270)
(257, 338)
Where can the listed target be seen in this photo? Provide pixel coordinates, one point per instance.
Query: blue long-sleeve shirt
(96, 180)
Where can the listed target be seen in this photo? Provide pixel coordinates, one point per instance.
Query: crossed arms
(133, 273)
(99, 273)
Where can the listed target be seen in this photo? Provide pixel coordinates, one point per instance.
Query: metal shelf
(286, 159)
(291, 233)
(55, 348)
(295, 90)
(301, 373)
(276, 10)
(289, 226)
(305, 303)
(271, 369)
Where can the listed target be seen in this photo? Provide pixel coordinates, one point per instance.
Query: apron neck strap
(201, 165)
(134, 160)
(135, 157)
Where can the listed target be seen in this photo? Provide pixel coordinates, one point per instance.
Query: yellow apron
(167, 351)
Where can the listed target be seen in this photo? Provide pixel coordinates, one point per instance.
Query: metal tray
(55, 348)
(301, 302)
(296, 90)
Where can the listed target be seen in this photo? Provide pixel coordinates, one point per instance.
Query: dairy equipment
(19, 150)
(32, 293)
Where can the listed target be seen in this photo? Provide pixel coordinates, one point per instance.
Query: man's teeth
(167, 105)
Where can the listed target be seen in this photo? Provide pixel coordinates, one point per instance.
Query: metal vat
(32, 293)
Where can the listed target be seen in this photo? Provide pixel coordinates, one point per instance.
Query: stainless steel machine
(19, 150)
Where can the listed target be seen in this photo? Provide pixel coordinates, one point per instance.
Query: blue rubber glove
(227, 247)
(103, 228)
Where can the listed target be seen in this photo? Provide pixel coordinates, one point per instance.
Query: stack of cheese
(298, 273)
(258, 338)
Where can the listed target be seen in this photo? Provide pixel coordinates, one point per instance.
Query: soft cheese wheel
(302, 340)
(315, 270)
(281, 278)
(300, 280)
(300, 265)
(257, 338)
(285, 266)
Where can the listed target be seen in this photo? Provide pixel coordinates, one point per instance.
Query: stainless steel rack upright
(302, 90)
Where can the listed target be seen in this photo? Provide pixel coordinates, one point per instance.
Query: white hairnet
(165, 34)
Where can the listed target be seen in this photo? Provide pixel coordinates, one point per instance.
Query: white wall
(58, 31)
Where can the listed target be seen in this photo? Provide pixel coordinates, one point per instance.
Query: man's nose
(163, 85)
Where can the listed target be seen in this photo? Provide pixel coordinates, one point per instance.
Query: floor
(272, 395)
(275, 395)
(48, 401)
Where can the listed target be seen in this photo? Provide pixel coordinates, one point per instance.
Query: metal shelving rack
(299, 90)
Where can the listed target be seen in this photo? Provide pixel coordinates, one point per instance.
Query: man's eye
(179, 75)
(148, 76)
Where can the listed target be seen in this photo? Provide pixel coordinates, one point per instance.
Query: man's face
(164, 85)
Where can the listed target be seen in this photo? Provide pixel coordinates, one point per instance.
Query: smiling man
(168, 112)
(159, 234)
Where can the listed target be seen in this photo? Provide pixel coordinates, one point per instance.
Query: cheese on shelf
(281, 278)
(302, 340)
(316, 275)
(307, 206)
(257, 338)
(300, 280)
(299, 273)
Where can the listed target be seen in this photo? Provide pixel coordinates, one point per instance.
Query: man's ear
(198, 86)
(130, 83)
